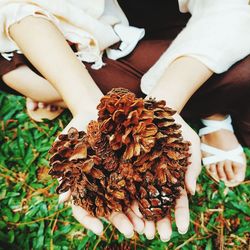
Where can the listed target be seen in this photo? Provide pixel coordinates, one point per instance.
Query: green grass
(30, 217)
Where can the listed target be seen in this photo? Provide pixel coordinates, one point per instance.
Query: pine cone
(134, 151)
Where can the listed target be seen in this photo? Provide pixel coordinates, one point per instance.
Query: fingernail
(98, 232)
(165, 239)
(192, 191)
(182, 231)
(150, 237)
(60, 199)
(193, 188)
(140, 231)
(129, 235)
(41, 105)
(239, 178)
(30, 105)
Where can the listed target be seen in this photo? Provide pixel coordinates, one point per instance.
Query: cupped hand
(127, 223)
(181, 209)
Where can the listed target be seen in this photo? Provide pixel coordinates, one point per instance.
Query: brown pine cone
(134, 151)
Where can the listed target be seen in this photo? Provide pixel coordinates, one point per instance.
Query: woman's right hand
(127, 223)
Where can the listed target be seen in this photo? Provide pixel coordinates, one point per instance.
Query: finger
(88, 221)
(135, 209)
(79, 123)
(122, 223)
(213, 172)
(149, 229)
(220, 170)
(228, 169)
(64, 197)
(136, 221)
(182, 213)
(194, 168)
(164, 229)
(212, 169)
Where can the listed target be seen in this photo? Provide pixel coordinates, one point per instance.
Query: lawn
(30, 217)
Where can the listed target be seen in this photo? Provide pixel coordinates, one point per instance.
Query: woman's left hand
(127, 223)
(182, 220)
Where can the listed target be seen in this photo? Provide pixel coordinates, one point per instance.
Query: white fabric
(221, 155)
(217, 34)
(129, 40)
(89, 23)
(212, 126)
(218, 154)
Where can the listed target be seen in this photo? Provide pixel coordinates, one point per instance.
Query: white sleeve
(217, 34)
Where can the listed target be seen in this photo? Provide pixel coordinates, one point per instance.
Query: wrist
(172, 100)
(80, 121)
(180, 81)
(85, 116)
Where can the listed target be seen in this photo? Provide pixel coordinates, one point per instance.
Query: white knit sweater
(217, 34)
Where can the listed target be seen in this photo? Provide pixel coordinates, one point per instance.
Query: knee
(27, 24)
(13, 77)
(240, 76)
(234, 84)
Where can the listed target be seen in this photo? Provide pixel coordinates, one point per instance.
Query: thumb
(63, 197)
(194, 168)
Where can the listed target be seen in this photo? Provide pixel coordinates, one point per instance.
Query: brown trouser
(227, 93)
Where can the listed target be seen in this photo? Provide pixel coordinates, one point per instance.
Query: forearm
(180, 81)
(48, 51)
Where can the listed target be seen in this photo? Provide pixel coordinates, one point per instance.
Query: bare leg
(58, 64)
(226, 140)
(30, 84)
(43, 101)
